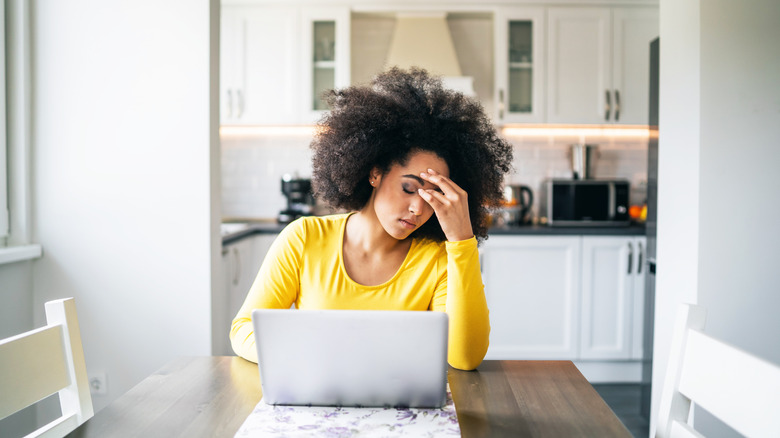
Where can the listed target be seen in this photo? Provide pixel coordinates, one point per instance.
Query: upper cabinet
(539, 64)
(276, 62)
(519, 65)
(598, 64)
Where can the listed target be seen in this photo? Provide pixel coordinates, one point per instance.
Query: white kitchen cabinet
(276, 62)
(532, 290)
(519, 64)
(240, 262)
(598, 65)
(325, 57)
(610, 279)
(259, 62)
(567, 297)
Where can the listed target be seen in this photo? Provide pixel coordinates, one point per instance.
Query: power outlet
(98, 384)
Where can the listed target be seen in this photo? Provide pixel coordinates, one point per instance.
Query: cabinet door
(531, 285)
(261, 243)
(265, 72)
(241, 274)
(326, 57)
(632, 29)
(638, 296)
(519, 65)
(607, 300)
(229, 66)
(579, 49)
(220, 310)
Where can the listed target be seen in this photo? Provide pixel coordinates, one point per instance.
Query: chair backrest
(45, 361)
(738, 388)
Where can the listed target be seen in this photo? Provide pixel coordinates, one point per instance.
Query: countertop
(235, 231)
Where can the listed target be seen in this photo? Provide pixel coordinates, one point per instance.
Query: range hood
(423, 40)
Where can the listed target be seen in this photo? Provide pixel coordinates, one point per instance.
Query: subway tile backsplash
(253, 165)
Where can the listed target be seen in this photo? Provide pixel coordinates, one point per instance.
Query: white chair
(45, 361)
(740, 389)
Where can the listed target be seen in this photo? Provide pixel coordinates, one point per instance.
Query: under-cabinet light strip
(628, 131)
(576, 131)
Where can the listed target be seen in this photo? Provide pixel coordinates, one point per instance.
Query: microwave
(587, 202)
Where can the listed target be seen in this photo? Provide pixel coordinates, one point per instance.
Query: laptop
(352, 357)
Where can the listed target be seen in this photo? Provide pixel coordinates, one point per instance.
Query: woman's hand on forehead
(449, 203)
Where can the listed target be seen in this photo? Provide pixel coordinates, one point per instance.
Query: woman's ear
(374, 176)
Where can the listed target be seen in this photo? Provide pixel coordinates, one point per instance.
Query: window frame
(4, 169)
(15, 152)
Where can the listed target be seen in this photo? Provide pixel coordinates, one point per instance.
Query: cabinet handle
(240, 98)
(230, 103)
(639, 259)
(630, 256)
(607, 105)
(617, 105)
(237, 273)
(501, 104)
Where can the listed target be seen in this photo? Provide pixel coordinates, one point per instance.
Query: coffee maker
(300, 200)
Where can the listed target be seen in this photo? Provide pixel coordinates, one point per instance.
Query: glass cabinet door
(521, 53)
(519, 65)
(326, 62)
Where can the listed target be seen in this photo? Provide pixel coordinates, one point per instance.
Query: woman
(417, 166)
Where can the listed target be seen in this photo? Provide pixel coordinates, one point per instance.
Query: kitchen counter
(233, 232)
(546, 230)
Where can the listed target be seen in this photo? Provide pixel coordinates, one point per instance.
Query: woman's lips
(408, 224)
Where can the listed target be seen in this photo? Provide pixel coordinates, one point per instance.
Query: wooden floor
(624, 401)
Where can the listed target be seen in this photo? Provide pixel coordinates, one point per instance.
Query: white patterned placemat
(340, 422)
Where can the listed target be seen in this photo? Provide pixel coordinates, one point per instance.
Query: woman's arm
(462, 296)
(275, 287)
(465, 294)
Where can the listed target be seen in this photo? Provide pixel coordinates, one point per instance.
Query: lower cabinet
(240, 262)
(532, 290)
(567, 297)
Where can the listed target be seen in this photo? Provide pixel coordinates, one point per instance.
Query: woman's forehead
(421, 161)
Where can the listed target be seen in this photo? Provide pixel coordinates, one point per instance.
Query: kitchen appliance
(516, 205)
(648, 323)
(300, 201)
(587, 202)
(583, 157)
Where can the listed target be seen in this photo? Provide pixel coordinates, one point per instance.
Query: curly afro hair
(405, 111)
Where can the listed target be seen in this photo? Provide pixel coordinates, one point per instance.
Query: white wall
(125, 186)
(720, 126)
(740, 183)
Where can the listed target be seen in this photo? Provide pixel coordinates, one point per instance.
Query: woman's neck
(365, 233)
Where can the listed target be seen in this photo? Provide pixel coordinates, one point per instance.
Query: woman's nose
(417, 205)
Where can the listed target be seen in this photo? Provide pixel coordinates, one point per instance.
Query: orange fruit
(634, 211)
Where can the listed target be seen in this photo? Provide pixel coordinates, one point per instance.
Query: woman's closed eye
(409, 189)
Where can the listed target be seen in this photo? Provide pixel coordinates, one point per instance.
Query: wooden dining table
(212, 396)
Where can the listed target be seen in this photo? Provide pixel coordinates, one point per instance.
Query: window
(15, 232)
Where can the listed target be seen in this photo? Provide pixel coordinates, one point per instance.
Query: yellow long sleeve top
(305, 266)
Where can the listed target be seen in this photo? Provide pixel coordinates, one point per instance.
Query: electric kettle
(517, 203)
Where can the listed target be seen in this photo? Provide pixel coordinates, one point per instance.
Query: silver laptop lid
(352, 357)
